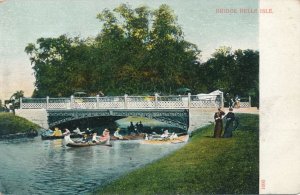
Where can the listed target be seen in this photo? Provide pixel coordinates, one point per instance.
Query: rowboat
(84, 144)
(50, 137)
(130, 137)
(103, 144)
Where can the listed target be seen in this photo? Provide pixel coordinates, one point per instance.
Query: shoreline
(201, 153)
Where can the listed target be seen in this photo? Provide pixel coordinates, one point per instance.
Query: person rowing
(67, 138)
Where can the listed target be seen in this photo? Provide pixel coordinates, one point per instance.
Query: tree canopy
(137, 51)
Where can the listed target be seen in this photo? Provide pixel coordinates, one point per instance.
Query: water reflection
(46, 167)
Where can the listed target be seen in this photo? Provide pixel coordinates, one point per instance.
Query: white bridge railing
(124, 102)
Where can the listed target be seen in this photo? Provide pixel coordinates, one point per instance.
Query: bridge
(175, 110)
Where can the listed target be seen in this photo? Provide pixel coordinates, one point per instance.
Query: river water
(33, 166)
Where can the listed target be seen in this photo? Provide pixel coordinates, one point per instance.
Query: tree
(234, 72)
(53, 65)
(138, 51)
(14, 100)
(17, 95)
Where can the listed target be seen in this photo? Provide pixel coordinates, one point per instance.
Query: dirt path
(252, 110)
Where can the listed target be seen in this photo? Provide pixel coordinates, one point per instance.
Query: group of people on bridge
(233, 102)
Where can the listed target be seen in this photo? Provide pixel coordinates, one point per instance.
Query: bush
(11, 124)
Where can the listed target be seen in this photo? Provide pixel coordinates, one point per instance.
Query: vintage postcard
(140, 97)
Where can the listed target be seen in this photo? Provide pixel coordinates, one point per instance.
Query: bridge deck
(124, 102)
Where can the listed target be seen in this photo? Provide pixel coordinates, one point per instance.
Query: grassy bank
(204, 165)
(10, 124)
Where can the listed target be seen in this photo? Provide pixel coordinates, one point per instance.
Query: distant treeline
(138, 51)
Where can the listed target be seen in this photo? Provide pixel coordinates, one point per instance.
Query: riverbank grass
(11, 124)
(205, 165)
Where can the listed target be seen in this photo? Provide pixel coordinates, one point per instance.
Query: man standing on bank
(218, 123)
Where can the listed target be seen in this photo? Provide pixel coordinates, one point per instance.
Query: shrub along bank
(205, 165)
(11, 124)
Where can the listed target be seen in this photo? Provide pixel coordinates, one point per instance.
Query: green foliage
(234, 72)
(204, 166)
(10, 124)
(138, 51)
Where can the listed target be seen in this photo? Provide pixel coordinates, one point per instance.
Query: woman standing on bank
(218, 123)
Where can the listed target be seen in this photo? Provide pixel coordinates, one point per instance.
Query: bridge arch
(176, 117)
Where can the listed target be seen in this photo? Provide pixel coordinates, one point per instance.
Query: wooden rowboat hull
(59, 137)
(76, 145)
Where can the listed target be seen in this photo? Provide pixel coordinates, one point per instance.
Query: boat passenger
(67, 132)
(67, 137)
(117, 134)
(57, 132)
(105, 137)
(94, 139)
(165, 134)
(84, 138)
(77, 131)
(47, 132)
(146, 137)
(88, 131)
(173, 136)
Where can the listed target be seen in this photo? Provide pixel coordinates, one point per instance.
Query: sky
(24, 21)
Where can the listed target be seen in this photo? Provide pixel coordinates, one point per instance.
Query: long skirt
(218, 129)
(228, 129)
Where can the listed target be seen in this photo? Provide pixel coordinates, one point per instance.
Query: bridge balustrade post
(250, 101)
(47, 102)
(125, 101)
(189, 100)
(156, 100)
(71, 101)
(97, 101)
(222, 99)
(20, 102)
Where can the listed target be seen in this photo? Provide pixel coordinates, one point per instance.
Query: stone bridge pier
(37, 116)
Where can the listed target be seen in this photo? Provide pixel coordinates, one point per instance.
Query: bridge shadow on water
(94, 123)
